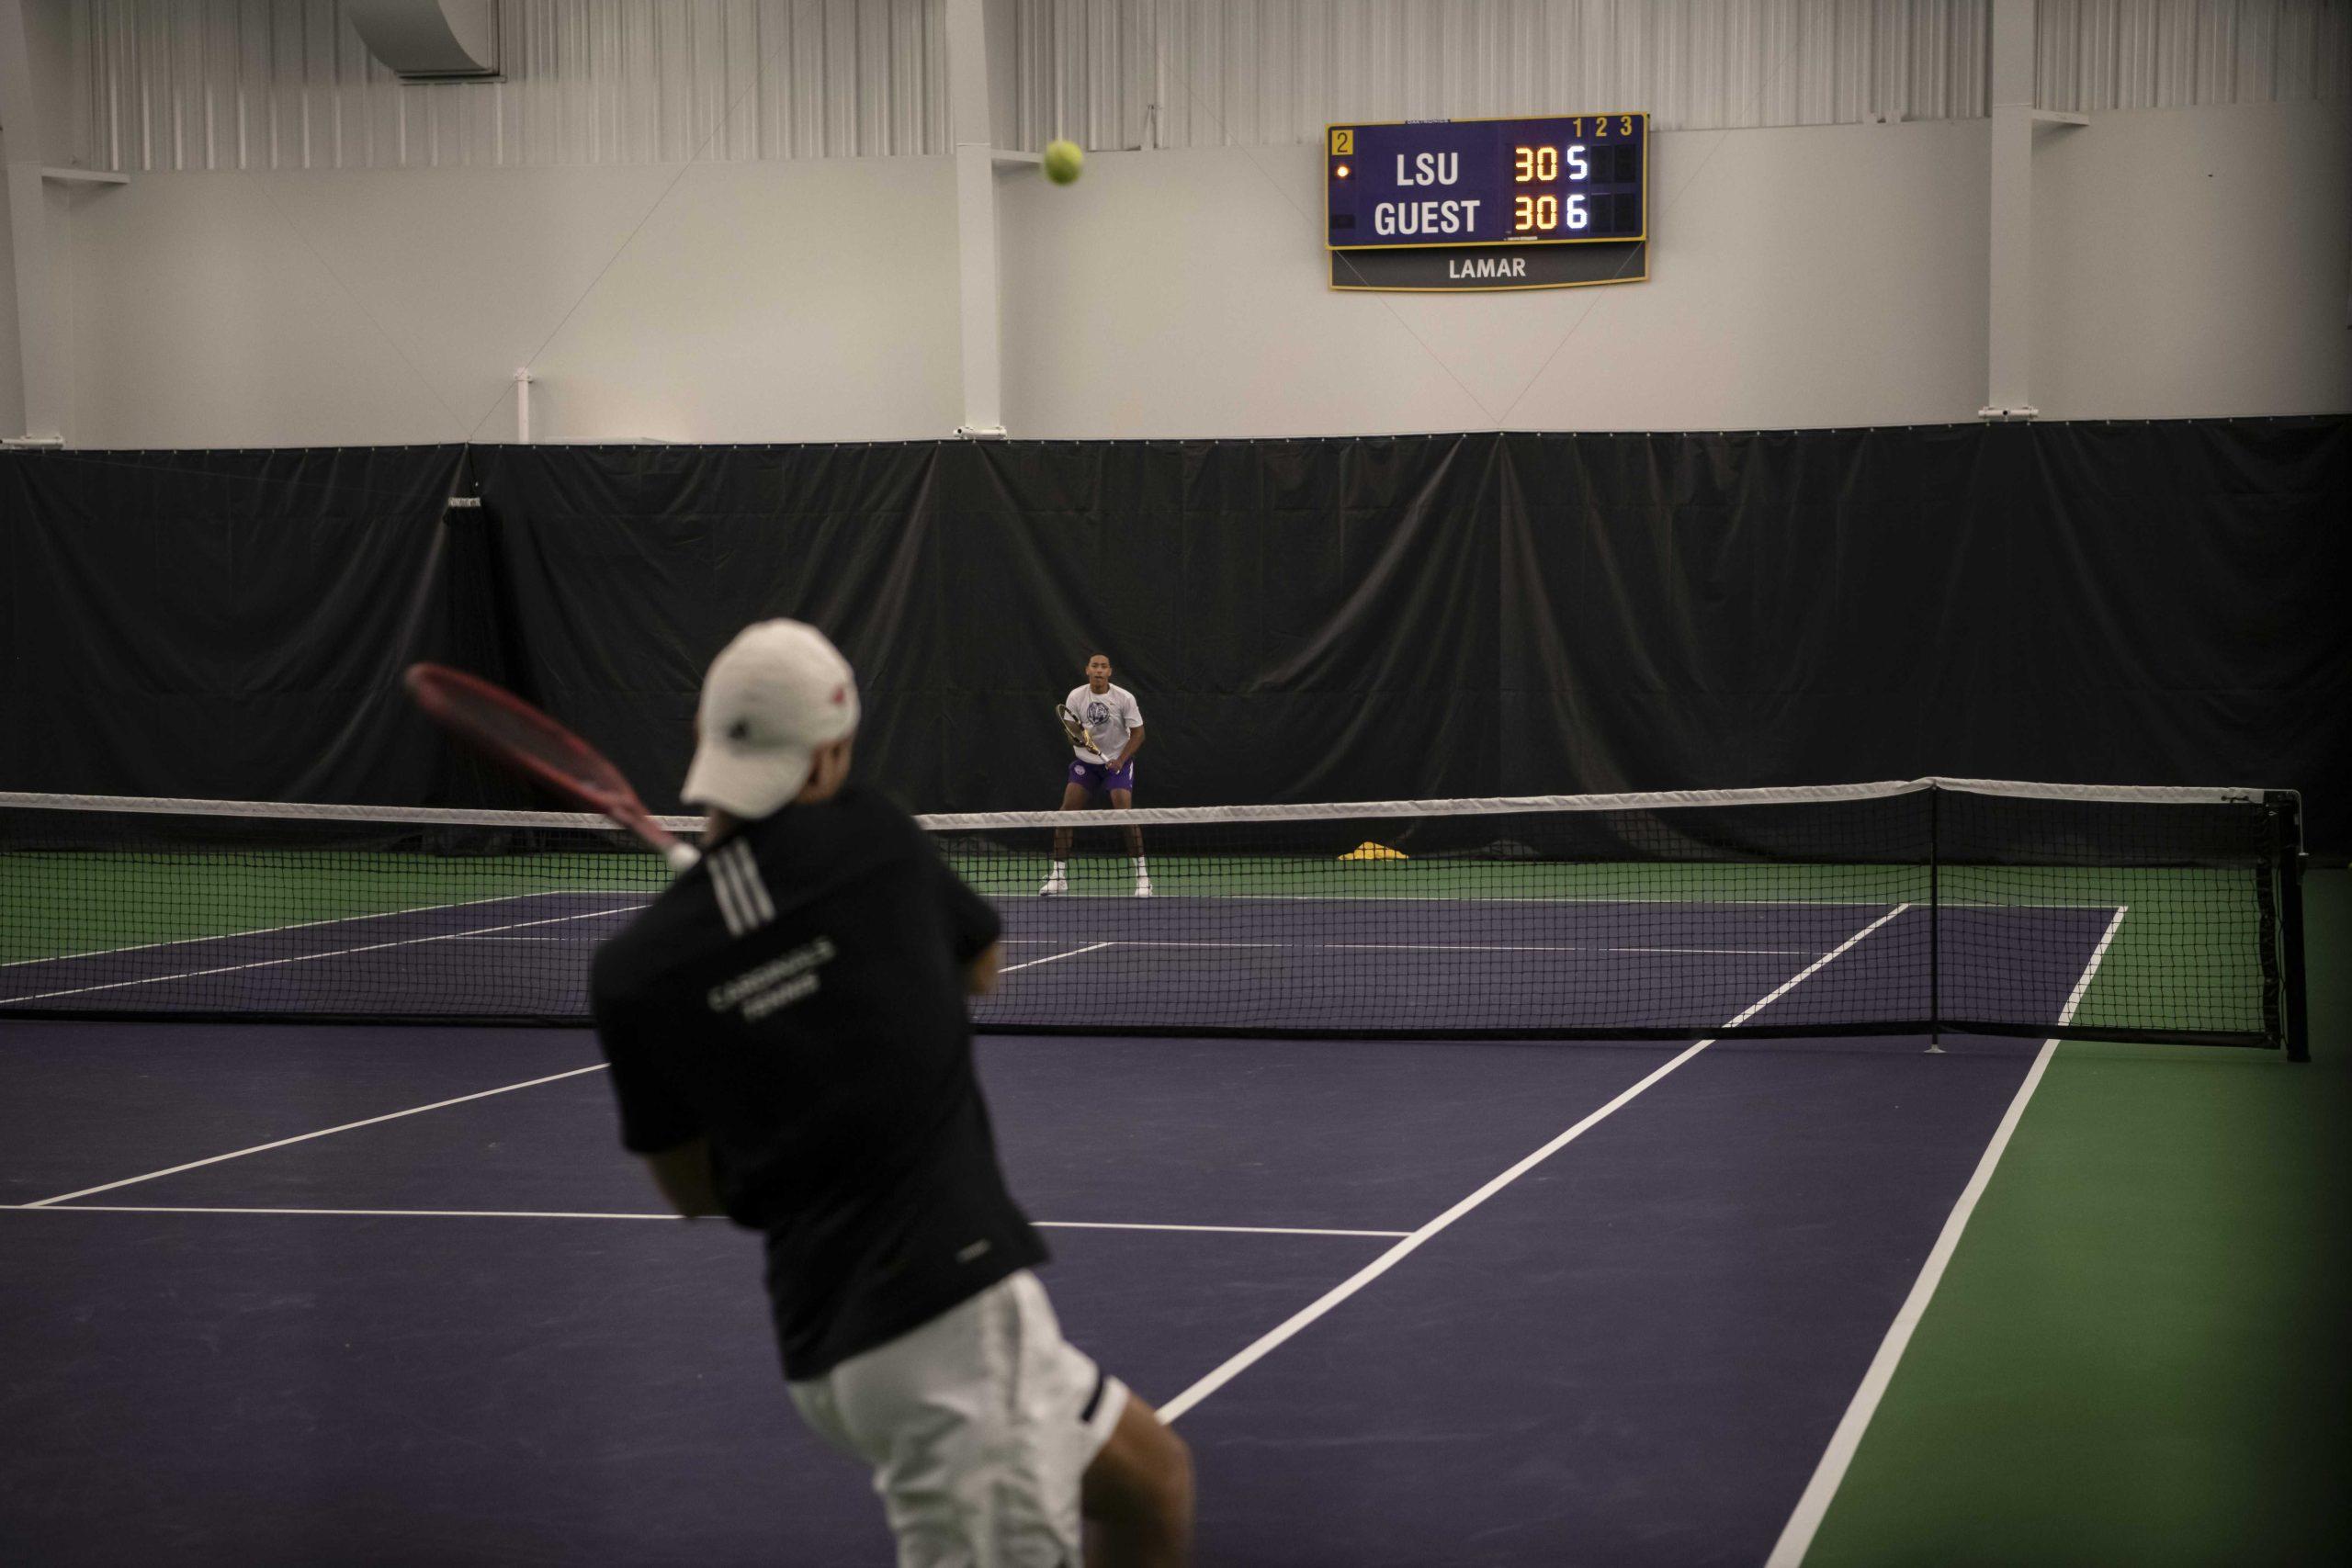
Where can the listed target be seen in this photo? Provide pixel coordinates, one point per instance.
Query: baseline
(59, 1206)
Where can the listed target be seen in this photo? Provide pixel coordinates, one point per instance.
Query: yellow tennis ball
(1062, 161)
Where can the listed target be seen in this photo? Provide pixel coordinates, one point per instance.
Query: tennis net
(1919, 906)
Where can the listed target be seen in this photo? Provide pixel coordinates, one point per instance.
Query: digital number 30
(1541, 214)
(1542, 163)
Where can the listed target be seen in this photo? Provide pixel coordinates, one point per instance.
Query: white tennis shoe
(1056, 882)
(1143, 886)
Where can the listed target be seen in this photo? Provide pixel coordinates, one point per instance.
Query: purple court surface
(1401, 1314)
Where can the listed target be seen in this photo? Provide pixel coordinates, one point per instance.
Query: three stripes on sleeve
(735, 876)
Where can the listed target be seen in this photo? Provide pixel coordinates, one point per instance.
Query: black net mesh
(2020, 909)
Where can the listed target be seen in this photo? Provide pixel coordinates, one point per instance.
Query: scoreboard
(1486, 204)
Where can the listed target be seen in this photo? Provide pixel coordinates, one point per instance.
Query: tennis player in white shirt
(1115, 725)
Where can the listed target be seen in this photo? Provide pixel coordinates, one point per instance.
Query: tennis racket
(1075, 728)
(518, 737)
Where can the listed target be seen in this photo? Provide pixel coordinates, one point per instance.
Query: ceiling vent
(430, 40)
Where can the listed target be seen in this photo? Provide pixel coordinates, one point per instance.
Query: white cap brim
(746, 785)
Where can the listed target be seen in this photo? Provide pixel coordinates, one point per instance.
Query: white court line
(484, 936)
(1350, 897)
(1518, 947)
(1175, 881)
(52, 1206)
(1236, 1230)
(1736, 952)
(1052, 957)
(306, 957)
(306, 1137)
(56, 1206)
(1265, 1344)
(1813, 1505)
(2098, 956)
(306, 925)
(1450, 947)
(1424, 947)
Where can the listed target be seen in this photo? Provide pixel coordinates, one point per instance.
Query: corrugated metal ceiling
(286, 84)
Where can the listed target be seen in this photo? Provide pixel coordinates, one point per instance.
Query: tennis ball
(1062, 161)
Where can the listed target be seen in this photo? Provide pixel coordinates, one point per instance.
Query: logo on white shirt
(1110, 717)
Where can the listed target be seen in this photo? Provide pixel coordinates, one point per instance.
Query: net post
(1935, 912)
(2286, 809)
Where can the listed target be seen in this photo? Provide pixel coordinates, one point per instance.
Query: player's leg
(987, 1433)
(1138, 1494)
(1076, 792)
(1075, 796)
(918, 1412)
(1122, 798)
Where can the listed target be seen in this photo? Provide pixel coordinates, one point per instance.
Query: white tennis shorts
(978, 1425)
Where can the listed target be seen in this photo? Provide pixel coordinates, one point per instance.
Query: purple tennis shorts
(1096, 777)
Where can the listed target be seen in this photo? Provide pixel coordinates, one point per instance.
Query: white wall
(1815, 275)
(1804, 277)
(768, 301)
(2187, 263)
(2194, 262)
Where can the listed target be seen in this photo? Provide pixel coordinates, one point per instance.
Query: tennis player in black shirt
(789, 1048)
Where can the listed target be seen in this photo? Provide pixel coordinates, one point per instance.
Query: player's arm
(684, 1177)
(973, 926)
(657, 1125)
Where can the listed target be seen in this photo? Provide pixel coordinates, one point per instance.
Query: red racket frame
(464, 704)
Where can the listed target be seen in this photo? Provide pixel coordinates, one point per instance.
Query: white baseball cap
(773, 696)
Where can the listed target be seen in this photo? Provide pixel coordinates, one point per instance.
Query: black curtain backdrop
(1335, 619)
(219, 623)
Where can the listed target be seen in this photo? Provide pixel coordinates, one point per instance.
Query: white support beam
(2008, 358)
(35, 68)
(976, 244)
(41, 347)
(983, 341)
(2009, 300)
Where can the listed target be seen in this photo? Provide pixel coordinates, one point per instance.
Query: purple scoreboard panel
(1554, 202)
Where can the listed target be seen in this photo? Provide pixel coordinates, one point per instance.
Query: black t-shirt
(798, 999)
